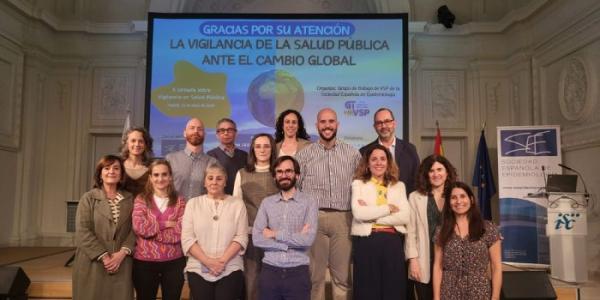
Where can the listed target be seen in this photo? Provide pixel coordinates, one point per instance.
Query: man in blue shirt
(285, 228)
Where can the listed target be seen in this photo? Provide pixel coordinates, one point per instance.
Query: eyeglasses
(384, 122)
(226, 130)
(286, 172)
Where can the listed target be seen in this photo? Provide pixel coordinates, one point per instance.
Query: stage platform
(50, 279)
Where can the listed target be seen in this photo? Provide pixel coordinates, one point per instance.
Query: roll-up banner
(527, 154)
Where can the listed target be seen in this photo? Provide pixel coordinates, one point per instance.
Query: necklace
(216, 212)
(459, 232)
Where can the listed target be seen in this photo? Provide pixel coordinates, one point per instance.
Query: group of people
(269, 223)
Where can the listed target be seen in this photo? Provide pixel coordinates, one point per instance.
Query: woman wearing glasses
(253, 183)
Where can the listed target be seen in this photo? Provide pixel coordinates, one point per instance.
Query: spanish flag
(438, 149)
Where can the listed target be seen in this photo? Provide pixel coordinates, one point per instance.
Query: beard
(194, 139)
(327, 139)
(385, 133)
(286, 184)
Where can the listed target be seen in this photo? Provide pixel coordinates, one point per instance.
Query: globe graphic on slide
(272, 92)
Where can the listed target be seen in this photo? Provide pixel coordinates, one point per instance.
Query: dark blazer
(407, 161)
(231, 164)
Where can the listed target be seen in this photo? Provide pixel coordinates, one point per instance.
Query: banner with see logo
(526, 155)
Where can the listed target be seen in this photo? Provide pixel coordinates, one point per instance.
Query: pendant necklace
(216, 212)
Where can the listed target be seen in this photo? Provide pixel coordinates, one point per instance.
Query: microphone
(541, 192)
(586, 194)
(568, 168)
(545, 179)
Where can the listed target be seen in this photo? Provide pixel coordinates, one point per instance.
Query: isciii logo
(566, 221)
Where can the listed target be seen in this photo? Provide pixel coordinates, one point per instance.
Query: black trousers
(425, 290)
(276, 283)
(379, 267)
(148, 275)
(230, 287)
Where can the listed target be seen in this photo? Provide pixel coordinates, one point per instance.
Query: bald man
(190, 163)
(327, 170)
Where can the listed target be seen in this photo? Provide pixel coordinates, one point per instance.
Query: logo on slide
(541, 142)
(356, 108)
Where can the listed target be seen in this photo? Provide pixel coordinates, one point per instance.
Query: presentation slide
(252, 67)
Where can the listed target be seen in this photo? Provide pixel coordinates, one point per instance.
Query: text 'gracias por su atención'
(296, 42)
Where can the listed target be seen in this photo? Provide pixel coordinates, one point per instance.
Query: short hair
(148, 141)
(251, 160)
(280, 160)
(104, 162)
(228, 120)
(384, 109)
(218, 167)
(279, 135)
(363, 173)
(148, 192)
(423, 184)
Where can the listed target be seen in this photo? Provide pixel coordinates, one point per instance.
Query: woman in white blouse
(380, 216)
(214, 237)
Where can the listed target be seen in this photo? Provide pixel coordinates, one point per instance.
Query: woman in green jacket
(104, 238)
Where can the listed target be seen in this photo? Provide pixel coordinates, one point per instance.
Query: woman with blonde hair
(157, 216)
(136, 152)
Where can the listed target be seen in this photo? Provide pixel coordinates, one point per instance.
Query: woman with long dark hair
(426, 203)
(290, 134)
(157, 217)
(465, 248)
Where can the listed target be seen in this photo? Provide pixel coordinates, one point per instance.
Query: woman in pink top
(157, 216)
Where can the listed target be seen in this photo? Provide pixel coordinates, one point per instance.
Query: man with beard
(403, 152)
(327, 170)
(285, 227)
(190, 163)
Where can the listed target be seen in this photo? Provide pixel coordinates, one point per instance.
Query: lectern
(567, 231)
